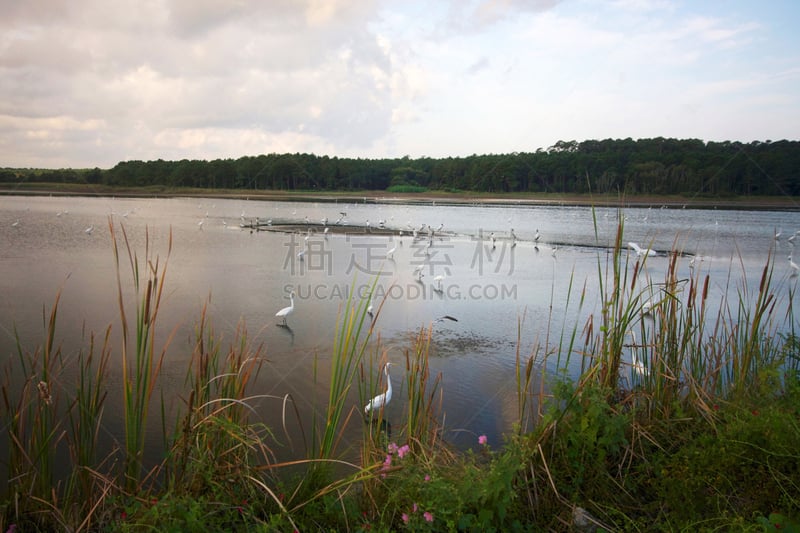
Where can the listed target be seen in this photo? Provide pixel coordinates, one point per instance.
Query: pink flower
(428, 516)
(482, 440)
(405, 518)
(427, 477)
(414, 508)
(392, 448)
(403, 450)
(388, 462)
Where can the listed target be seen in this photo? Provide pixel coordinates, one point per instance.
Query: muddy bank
(428, 198)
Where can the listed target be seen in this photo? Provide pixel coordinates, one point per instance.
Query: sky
(89, 83)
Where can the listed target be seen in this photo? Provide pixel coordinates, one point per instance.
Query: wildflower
(482, 440)
(403, 450)
(428, 516)
(414, 508)
(123, 515)
(405, 518)
(392, 448)
(388, 462)
(427, 477)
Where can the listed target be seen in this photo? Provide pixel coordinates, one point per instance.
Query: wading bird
(640, 251)
(793, 265)
(286, 311)
(381, 400)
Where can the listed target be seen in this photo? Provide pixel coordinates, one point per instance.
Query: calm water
(247, 276)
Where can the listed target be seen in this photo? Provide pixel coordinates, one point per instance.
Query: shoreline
(781, 203)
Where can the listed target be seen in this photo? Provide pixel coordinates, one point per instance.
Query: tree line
(626, 166)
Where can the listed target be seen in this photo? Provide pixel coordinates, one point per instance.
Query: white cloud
(91, 82)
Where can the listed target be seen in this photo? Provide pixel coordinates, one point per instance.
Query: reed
(141, 363)
(421, 417)
(32, 412)
(214, 439)
(354, 331)
(85, 416)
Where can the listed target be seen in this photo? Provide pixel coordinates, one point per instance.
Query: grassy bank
(697, 201)
(683, 417)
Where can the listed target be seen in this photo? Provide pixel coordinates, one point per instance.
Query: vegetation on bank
(657, 166)
(682, 418)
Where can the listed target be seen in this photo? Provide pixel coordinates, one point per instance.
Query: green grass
(705, 440)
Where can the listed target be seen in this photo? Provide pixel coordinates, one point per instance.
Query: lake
(515, 293)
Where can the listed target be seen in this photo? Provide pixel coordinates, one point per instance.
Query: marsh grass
(215, 446)
(141, 361)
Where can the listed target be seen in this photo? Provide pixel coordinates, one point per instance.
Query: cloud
(91, 82)
(279, 67)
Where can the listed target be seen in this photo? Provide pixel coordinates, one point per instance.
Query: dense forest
(645, 166)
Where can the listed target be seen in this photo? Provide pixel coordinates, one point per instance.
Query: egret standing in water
(795, 268)
(286, 311)
(381, 400)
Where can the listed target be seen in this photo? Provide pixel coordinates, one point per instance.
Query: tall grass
(32, 414)
(141, 362)
(354, 331)
(421, 410)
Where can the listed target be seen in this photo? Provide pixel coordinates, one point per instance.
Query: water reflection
(514, 279)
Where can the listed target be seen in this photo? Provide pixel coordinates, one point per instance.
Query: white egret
(637, 365)
(390, 253)
(641, 251)
(537, 236)
(795, 268)
(369, 307)
(381, 400)
(89, 230)
(439, 279)
(301, 255)
(15, 224)
(418, 271)
(286, 311)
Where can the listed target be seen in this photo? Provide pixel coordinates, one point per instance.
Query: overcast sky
(87, 83)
